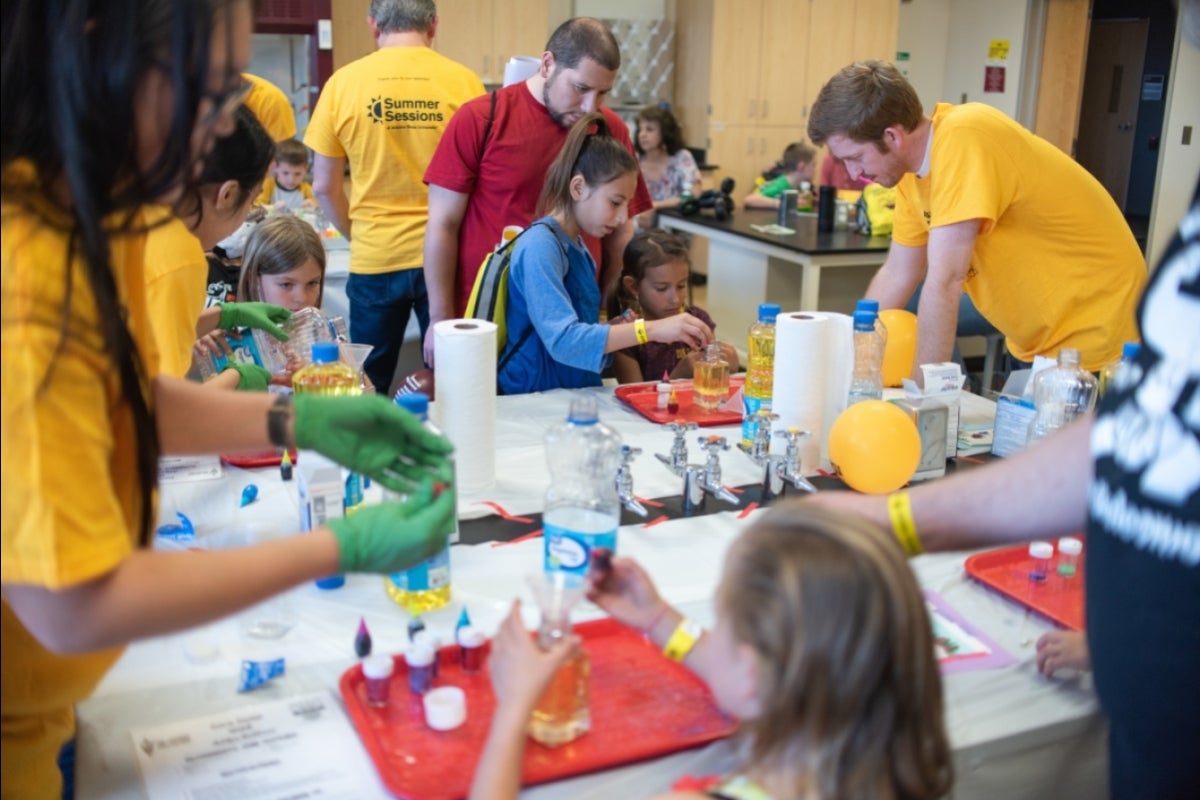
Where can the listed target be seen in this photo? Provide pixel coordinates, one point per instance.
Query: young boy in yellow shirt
(285, 187)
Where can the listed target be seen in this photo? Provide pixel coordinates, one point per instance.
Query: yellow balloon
(901, 347)
(874, 446)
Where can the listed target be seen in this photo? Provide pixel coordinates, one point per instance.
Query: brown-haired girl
(821, 647)
(555, 337)
(654, 284)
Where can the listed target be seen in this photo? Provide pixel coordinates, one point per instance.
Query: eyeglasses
(224, 102)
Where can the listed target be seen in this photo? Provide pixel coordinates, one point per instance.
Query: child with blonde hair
(821, 646)
(283, 270)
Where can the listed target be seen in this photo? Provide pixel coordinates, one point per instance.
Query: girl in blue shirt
(555, 337)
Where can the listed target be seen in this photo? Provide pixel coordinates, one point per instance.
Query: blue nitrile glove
(251, 377)
(391, 537)
(373, 436)
(263, 316)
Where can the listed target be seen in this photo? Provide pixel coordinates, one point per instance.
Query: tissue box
(1014, 413)
(932, 420)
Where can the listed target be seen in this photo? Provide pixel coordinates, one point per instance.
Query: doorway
(1111, 95)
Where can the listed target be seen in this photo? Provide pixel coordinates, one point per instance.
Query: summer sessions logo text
(386, 109)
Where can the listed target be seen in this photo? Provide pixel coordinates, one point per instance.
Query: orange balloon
(874, 446)
(901, 347)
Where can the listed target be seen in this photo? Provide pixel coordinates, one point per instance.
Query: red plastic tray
(268, 458)
(1007, 571)
(642, 706)
(643, 398)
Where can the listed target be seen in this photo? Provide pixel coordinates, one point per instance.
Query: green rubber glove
(374, 437)
(251, 377)
(395, 536)
(262, 316)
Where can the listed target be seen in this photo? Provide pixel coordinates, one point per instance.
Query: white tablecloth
(1015, 734)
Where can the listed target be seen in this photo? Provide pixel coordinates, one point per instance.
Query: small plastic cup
(1069, 550)
(445, 708)
(1040, 554)
(377, 670)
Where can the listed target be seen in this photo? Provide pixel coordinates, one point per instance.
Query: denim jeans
(380, 306)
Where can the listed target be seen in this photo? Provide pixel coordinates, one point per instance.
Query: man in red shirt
(491, 162)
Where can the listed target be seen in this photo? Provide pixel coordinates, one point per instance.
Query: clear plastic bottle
(867, 380)
(582, 508)
(710, 386)
(1114, 375)
(326, 375)
(760, 371)
(1060, 394)
(880, 329)
(426, 586)
(563, 712)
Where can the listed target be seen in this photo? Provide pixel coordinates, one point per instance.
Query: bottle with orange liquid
(562, 713)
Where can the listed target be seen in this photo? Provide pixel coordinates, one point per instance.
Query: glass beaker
(562, 712)
(710, 385)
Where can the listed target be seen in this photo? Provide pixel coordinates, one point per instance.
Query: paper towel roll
(520, 68)
(814, 359)
(464, 368)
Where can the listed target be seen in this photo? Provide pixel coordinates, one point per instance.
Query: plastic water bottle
(760, 372)
(1116, 375)
(873, 306)
(427, 585)
(1060, 394)
(867, 381)
(582, 508)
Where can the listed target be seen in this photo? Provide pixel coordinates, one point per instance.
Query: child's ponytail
(591, 151)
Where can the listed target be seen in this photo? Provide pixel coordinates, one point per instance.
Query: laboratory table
(747, 266)
(1015, 733)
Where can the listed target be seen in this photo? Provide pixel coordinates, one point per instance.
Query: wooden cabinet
(748, 71)
(484, 34)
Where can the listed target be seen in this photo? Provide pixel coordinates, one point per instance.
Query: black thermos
(826, 207)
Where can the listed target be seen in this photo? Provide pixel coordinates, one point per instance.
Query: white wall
(621, 9)
(924, 33)
(973, 24)
(1178, 164)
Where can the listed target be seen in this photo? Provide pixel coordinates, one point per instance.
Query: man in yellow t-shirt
(985, 206)
(271, 106)
(384, 114)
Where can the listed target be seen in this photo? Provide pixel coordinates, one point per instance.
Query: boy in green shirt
(794, 168)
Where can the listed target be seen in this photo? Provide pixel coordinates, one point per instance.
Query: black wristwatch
(277, 420)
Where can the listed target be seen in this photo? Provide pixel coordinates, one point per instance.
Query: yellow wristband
(639, 329)
(900, 513)
(682, 640)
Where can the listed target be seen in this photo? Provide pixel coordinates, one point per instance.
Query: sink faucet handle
(713, 444)
(628, 454)
(680, 429)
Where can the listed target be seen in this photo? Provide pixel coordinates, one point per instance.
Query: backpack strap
(511, 350)
(487, 129)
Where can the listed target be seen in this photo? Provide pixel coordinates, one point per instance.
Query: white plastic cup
(445, 708)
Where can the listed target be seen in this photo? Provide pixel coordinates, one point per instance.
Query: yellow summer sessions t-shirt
(71, 499)
(1055, 264)
(385, 113)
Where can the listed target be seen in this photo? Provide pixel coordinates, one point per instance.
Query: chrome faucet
(625, 481)
(778, 471)
(677, 461)
(699, 481)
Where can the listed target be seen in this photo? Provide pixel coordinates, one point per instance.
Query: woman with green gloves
(108, 108)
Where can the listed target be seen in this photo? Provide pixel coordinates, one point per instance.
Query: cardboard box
(322, 490)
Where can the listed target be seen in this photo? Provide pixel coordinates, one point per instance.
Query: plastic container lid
(445, 707)
(470, 636)
(867, 305)
(1129, 351)
(416, 404)
(864, 320)
(1041, 550)
(767, 312)
(1070, 546)
(378, 666)
(324, 352)
(420, 655)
